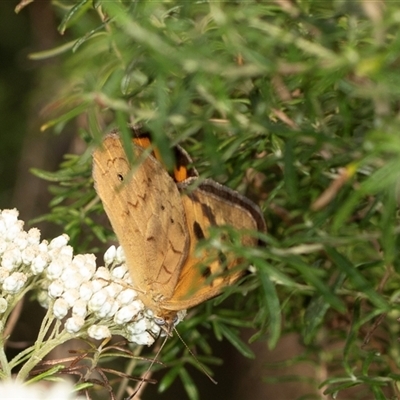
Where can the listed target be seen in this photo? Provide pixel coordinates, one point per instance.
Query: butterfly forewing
(146, 213)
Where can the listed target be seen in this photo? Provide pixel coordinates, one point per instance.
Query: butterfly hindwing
(205, 276)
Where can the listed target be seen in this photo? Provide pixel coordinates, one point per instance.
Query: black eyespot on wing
(120, 177)
(172, 220)
(198, 232)
(162, 208)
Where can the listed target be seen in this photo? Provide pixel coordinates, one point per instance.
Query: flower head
(98, 301)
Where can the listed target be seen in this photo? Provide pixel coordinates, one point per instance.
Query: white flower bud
(15, 282)
(113, 289)
(71, 296)
(55, 269)
(21, 240)
(13, 231)
(9, 217)
(86, 265)
(102, 273)
(126, 296)
(33, 236)
(60, 308)
(59, 241)
(74, 324)
(155, 329)
(126, 313)
(97, 300)
(149, 314)
(79, 309)
(110, 255)
(67, 252)
(120, 257)
(39, 263)
(138, 327)
(114, 308)
(11, 258)
(3, 305)
(119, 272)
(99, 332)
(43, 299)
(56, 289)
(85, 291)
(28, 254)
(108, 309)
(71, 277)
(141, 339)
(44, 246)
(98, 284)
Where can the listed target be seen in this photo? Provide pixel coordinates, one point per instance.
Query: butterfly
(159, 219)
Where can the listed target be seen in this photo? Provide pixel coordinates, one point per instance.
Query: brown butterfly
(159, 221)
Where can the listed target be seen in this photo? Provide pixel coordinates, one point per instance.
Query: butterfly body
(159, 221)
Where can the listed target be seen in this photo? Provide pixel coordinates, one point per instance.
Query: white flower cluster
(22, 257)
(12, 390)
(99, 301)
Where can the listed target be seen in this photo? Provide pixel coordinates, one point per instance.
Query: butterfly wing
(144, 207)
(204, 277)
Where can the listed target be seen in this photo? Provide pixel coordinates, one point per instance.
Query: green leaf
(234, 339)
(274, 308)
(356, 278)
(74, 13)
(169, 378)
(189, 385)
(311, 277)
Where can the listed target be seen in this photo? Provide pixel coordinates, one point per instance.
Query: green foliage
(306, 96)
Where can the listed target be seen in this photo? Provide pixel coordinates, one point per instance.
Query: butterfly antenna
(197, 360)
(145, 375)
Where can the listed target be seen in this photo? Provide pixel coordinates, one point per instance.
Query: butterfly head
(168, 320)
